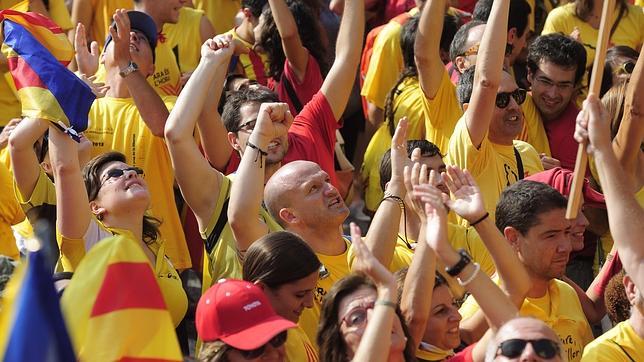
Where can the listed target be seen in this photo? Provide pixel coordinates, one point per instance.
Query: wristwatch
(131, 68)
(458, 267)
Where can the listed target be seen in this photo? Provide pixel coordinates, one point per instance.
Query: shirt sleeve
(384, 66)
(317, 123)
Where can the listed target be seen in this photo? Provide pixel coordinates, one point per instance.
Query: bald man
(525, 339)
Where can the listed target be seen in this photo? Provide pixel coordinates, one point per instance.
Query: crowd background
(192, 180)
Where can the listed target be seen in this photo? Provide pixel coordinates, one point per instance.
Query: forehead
(249, 111)
(112, 165)
(526, 329)
(555, 72)
(433, 162)
(550, 220)
(363, 295)
(442, 295)
(508, 84)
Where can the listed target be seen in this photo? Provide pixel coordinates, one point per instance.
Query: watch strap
(457, 268)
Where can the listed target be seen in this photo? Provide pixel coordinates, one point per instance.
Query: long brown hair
(92, 179)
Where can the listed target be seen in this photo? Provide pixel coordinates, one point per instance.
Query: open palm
(467, 199)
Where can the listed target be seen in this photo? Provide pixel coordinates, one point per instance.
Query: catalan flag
(114, 308)
(38, 52)
(31, 323)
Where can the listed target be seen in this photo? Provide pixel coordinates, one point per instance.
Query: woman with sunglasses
(360, 320)
(235, 320)
(287, 270)
(108, 198)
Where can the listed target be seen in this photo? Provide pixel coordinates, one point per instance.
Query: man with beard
(531, 216)
(483, 141)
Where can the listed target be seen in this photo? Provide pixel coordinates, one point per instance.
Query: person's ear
(512, 35)
(630, 289)
(97, 210)
(288, 216)
(460, 64)
(247, 13)
(465, 105)
(234, 141)
(512, 236)
(530, 76)
(46, 166)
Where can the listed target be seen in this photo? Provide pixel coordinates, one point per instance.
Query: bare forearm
(26, 168)
(214, 137)
(382, 235)
(150, 105)
(375, 342)
(427, 46)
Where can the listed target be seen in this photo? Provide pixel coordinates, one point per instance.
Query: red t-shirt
(311, 137)
(560, 133)
(304, 90)
(464, 355)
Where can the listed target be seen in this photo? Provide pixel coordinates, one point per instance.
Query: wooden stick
(575, 198)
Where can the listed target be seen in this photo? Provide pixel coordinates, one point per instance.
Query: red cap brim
(259, 334)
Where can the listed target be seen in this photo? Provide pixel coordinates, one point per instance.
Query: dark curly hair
(309, 29)
(231, 114)
(518, 17)
(559, 49)
(618, 307)
(92, 178)
(332, 345)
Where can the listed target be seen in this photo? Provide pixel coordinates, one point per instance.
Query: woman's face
(122, 188)
(289, 300)
(353, 315)
(443, 325)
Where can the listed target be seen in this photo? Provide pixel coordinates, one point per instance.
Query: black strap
(213, 237)
(291, 93)
(517, 155)
(623, 350)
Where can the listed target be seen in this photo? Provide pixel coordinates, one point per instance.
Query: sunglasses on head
(503, 98)
(625, 68)
(513, 348)
(118, 172)
(276, 341)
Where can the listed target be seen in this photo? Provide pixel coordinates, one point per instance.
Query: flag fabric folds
(32, 327)
(38, 52)
(115, 309)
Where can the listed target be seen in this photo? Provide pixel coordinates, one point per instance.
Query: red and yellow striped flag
(114, 308)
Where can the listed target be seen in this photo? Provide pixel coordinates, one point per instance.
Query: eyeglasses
(503, 98)
(625, 68)
(248, 126)
(118, 172)
(276, 341)
(512, 348)
(547, 82)
(357, 317)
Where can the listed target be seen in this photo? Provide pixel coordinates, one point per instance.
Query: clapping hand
(87, 60)
(367, 264)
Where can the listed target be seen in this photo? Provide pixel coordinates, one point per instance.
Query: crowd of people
(222, 144)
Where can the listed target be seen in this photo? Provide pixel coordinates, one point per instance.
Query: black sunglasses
(276, 341)
(513, 348)
(118, 172)
(503, 98)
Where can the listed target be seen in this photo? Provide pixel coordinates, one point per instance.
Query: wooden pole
(575, 198)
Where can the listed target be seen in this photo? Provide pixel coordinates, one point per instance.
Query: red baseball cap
(238, 313)
(561, 180)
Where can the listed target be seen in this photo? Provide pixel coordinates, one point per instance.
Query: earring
(99, 217)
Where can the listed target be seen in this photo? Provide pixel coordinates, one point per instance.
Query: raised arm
(625, 215)
(381, 237)
(339, 82)
(147, 101)
(427, 47)
(487, 77)
(376, 340)
(628, 140)
(247, 192)
(416, 297)
(295, 52)
(82, 13)
(193, 173)
(86, 59)
(24, 161)
(468, 203)
(72, 203)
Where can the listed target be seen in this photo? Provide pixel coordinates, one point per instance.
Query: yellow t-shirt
(221, 13)
(533, 130)
(167, 76)
(630, 31)
(9, 102)
(493, 166)
(102, 18)
(621, 343)
(337, 267)
(10, 214)
(116, 125)
(185, 38)
(246, 63)
(409, 103)
(299, 348)
(565, 316)
(220, 245)
(73, 251)
(460, 236)
(385, 64)
(442, 113)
